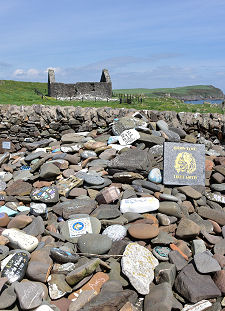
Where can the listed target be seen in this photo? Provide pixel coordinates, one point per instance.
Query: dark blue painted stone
(16, 267)
(61, 256)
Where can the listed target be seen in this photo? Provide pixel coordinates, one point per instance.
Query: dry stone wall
(31, 123)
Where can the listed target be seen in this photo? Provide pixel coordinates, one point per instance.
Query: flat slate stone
(205, 263)
(195, 286)
(184, 164)
(132, 160)
(29, 294)
(217, 216)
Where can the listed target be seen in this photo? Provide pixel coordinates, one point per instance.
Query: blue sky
(143, 43)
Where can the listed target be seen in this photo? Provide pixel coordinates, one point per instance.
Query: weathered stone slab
(184, 164)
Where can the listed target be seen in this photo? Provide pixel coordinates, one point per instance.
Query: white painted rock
(44, 308)
(115, 232)
(139, 205)
(127, 137)
(138, 265)
(19, 239)
(199, 306)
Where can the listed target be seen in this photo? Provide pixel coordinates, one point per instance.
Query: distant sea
(211, 101)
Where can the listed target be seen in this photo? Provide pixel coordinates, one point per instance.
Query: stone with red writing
(95, 284)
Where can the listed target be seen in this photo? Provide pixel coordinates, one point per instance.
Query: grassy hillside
(22, 93)
(204, 91)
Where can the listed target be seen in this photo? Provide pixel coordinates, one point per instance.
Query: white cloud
(18, 72)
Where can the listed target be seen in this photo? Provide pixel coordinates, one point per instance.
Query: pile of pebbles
(87, 224)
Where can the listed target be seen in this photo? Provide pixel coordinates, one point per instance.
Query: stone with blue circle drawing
(155, 175)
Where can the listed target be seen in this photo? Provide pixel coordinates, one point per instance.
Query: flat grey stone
(176, 258)
(93, 179)
(7, 297)
(205, 263)
(170, 209)
(165, 272)
(161, 298)
(218, 187)
(94, 243)
(194, 286)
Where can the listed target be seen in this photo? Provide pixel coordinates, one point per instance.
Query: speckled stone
(138, 265)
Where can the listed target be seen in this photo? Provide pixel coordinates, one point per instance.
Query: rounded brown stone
(3, 240)
(4, 219)
(216, 227)
(19, 222)
(40, 184)
(76, 192)
(143, 231)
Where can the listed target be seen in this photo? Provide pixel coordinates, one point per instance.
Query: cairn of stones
(111, 209)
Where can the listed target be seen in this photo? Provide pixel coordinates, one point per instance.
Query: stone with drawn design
(138, 265)
(45, 195)
(95, 284)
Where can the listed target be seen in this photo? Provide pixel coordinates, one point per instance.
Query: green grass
(204, 90)
(22, 93)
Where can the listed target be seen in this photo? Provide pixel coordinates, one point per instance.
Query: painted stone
(127, 137)
(65, 185)
(8, 211)
(184, 164)
(138, 265)
(155, 176)
(139, 205)
(62, 256)
(161, 252)
(19, 239)
(115, 232)
(95, 284)
(45, 195)
(15, 268)
(79, 226)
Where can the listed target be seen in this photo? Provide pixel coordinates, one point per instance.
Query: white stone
(139, 205)
(138, 265)
(115, 232)
(19, 239)
(127, 137)
(43, 308)
(199, 306)
(39, 208)
(71, 148)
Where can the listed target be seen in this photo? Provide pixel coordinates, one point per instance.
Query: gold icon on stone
(185, 163)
